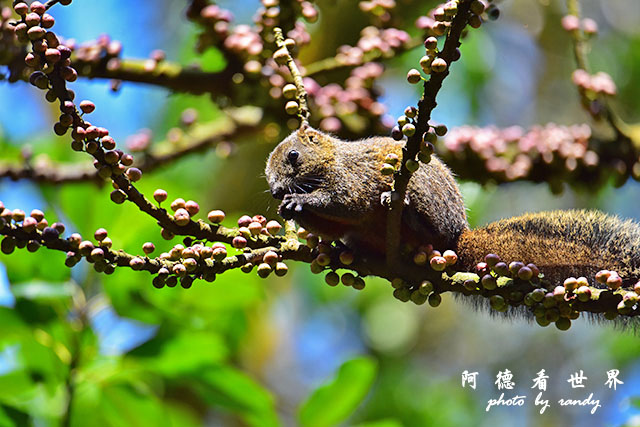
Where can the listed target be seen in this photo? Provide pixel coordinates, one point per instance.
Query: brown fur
(343, 202)
(561, 243)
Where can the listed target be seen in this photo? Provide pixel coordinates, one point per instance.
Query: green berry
(332, 278)
(435, 299)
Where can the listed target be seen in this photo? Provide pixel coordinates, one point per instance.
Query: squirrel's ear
(309, 134)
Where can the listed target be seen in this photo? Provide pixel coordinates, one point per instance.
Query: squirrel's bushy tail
(561, 243)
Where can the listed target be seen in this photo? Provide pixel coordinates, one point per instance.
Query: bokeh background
(249, 351)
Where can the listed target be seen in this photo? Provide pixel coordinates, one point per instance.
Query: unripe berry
(438, 65)
(97, 254)
(346, 258)
(166, 234)
(424, 158)
(426, 287)
(216, 216)
(181, 217)
(489, 282)
(273, 227)
(280, 56)
(440, 130)
(420, 258)
(137, 263)
(35, 33)
(431, 43)
(348, 279)
(525, 273)
(412, 165)
(281, 269)
(118, 196)
(134, 174)
(148, 248)
(396, 133)
(403, 294)
(271, 258)
(387, 169)
(177, 204)
(29, 224)
(8, 245)
(497, 302)
(475, 21)
(289, 91)
(171, 281)
(571, 284)
(477, 7)
(450, 256)
(244, 221)
(192, 207)
(160, 195)
(332, 278)
(538, 294)
(32, 19)
(106, 243)
(559, 292)
(435, 299)
(602, 276)
(190, 264)
(408, 130)
(563, 323)
(38, 8)
(614, 281)
(239, 242)
(514, 267)
(493, 13)
(359, 283)
(264, 270)
(260, 219)
(21, 8)
(414, 76)
(254, 228)
(438, 263)
(291, 107)
(58, 226)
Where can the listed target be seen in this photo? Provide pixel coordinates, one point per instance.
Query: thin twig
(301, 92)
(425, 106)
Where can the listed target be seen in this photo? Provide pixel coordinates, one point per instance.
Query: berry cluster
(379, 9)
(510, 154)
(438, 20)
(331, 255)
(385, 42)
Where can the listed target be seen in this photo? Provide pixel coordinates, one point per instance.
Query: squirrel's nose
(278, 193)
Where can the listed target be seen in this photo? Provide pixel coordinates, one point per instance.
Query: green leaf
(43, 291)
(120, 404)
(13, 327)
(338, 399)
(232, 389)
(12, 417)
(380, 423)
(182, 353)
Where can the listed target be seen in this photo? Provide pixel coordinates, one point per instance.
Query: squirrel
(335, 188)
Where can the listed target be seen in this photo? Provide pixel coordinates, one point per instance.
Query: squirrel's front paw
(290, 206)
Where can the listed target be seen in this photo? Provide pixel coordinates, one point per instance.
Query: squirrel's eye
(293, 156)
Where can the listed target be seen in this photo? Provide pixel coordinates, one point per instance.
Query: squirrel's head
(300, 163)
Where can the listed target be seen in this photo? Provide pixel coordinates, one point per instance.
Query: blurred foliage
(246, 351)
